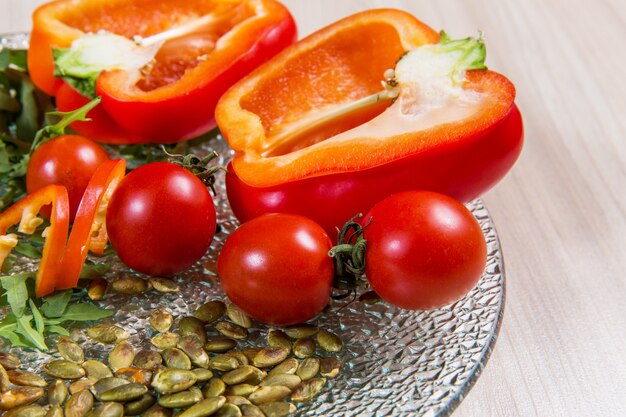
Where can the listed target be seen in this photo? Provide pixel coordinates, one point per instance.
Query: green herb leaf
(91, 270)
(9, 323)
(5, 59)
(85, 312)
(18, 57)
(15, 338)
(27, 123)
(17, 291)
(54, 305)
(25, 328)
(39, 324)
(58, 330)
(28, 250)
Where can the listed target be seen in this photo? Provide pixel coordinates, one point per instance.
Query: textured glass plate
(396, 362)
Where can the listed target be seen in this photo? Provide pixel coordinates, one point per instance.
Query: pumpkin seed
(228, 410)
(157, 411)
(136, 375)
(173, 380)
(5, 381)
(9, 361)
(251, 410)
(269, 394)
(232, 330)
(107, 333)
(127, 392)
(202, 374)
(246, 373)
(304, 348)
(129, 285)
(224, 363)
(288, 366)
(238, 400)
(109, 409)
(210, 312)
(176, 359)
(180, 399)
(70, 350)
(330, 367)
(328, 341)
(57, 392)
(191, 326)
(204, 408)
(307, 390)
(192, 346)
(96, 288)
(286, 380)
(26, 411)
(161, 320)
(301, 331)
(237, 316)
(106, 384)
(135, 408)
(64, 369)
(96, 370)
(242, 390)
(121, 356)
(251, 353)
(148, 359)
(270, 356)
(219, 344)
(80, 385)
(241, 358)
(165, 340)
(277, 409)
(308, 368)
(55, 410)
(18, 396)
(79, 404)
(213, 388)
(163, 285)
(277, 337)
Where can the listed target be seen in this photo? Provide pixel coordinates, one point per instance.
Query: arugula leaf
(55, 304)
(85, 312)
(58, 330)
(8, 323)
(27, 123)
(25, 328)
(39, 324)
(5, 59)
(91, 270)
(28, 250)
(15, 338)
(17, 291)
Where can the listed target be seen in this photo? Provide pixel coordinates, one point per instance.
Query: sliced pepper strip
(89, 229)
(25, 213)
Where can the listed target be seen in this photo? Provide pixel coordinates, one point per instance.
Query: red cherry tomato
(161, 219)
(67, 160)
(424, 250)
(276, 268)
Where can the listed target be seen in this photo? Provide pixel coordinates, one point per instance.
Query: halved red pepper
(89, 229)
(293, 154)
(24, 213)
(208, 45)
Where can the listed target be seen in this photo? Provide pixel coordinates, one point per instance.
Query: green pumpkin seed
(238, 400)
(213, 388)
(224, 363)
(26, 411)
(191, 326)
(202, 374)
(308, 368)
(304, 348)
(244, 374)
(288, 366)
(330, 367)
(80, 385)
(148, 359)
(173, 380)
(129, 285)
(161, 320)
(176, 359)
(57, 392)
(210, 312)
(18, 396)
(121, 356)
(165, 340)
(127, 392)
(241, 390)
(79, 404)
(64, 369)
(219, 344)
(301, 331)
(70, 350)
(277, 409)
(9, 361)
(251, 410)
(96, 370)
(204, 408)
(269, 394)
(250, 353)
(180, 399)
(228, 410)
(241, 358)
(307, 390)
(270, 356)
(328, 341)
(193, 348)
(135, 408)
(157, 411)
(279, 338)
(107, 334)
(5, 381)
(106, 384)
(55, 410)
(232, 330)
(163, 285)
(286, 380)
(237, 316)
(109, 409)
(96, 288)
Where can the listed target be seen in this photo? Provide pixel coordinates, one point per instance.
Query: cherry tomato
(161, 219)
(276, 268)
(424, 250)
(67, 160)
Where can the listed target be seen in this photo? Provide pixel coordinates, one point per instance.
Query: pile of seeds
(188, 374)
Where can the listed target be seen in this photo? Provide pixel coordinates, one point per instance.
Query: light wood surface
(561, 212)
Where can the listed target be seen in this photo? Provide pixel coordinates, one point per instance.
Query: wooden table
(561, 212)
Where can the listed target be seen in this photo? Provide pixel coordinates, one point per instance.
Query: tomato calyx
(198, 166)
(349, 258)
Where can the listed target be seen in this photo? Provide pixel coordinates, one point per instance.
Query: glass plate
(396, 362)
